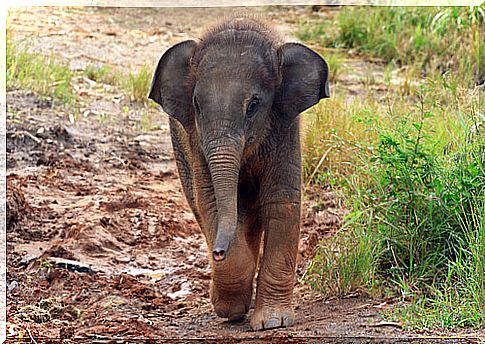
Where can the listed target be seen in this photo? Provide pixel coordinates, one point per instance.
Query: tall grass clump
(346, 263)
(431, 38)
(332, 133)
(137, 84)
(46, 76)
(335, 66)
(460, 299)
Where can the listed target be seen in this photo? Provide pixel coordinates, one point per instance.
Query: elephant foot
(234, 310)
(237, 318)
(264, 319)
(232, 305)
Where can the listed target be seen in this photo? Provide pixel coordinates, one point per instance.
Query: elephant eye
(252, 107)
(196, 105)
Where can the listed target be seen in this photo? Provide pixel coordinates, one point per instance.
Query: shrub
(417, 226)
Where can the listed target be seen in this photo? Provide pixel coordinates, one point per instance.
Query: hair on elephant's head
(231, 89)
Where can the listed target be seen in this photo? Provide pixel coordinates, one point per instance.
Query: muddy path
(101, 242)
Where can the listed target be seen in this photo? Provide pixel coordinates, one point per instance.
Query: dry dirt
(101, 243)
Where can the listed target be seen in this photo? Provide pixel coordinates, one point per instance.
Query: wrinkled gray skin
(233, 99)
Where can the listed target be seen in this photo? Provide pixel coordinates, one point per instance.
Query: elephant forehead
(224, 94)
(232, 79)
(237, 53)
(243, 80)
(239, 58)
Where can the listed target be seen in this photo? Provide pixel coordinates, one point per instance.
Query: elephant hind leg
(184, 157)
(253, 237)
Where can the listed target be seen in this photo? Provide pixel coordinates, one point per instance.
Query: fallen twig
(30, 335)
(317, 167)
(386, 323)
(23, 132)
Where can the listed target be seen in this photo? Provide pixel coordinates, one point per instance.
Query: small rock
(14, 284)
(123, 259)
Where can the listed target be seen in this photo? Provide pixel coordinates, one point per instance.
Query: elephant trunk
(224, 163)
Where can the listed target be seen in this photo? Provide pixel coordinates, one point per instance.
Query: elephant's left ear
(304, 79)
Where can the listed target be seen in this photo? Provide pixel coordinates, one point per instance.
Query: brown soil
(101, 242)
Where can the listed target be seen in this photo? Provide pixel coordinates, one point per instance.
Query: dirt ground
(101, 243)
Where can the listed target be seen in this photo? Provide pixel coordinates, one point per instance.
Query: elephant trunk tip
(219, 254)
(221, 246)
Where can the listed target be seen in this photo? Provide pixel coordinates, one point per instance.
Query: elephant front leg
(277, 271)
(232, 281)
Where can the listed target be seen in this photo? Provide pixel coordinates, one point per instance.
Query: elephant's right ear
(169, 86)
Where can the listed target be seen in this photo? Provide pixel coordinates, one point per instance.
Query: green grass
(46, 76)
(335, 66)
(137, 84)
(50, 77)
(346, 263)
(410, 162)
(334, 137)
(103, 74)
(460, 302)
(431, 38)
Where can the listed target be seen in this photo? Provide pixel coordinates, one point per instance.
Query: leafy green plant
(426, 199)
(416, 229)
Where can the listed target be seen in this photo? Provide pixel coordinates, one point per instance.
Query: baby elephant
(233, 98)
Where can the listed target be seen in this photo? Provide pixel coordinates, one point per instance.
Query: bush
(417, 229)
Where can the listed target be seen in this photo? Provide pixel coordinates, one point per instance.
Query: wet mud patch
(120, 245)
(17, 208)
(29, 146)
